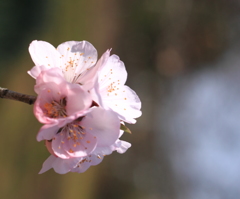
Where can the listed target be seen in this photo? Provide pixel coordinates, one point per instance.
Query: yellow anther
(71, 151)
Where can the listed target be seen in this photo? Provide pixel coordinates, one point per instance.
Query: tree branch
(8, 94)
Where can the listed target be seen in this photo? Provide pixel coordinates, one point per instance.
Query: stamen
(56, 109)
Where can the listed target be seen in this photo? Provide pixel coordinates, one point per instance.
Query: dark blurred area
(19, 21)
(182, 60)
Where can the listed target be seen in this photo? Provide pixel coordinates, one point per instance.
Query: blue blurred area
(182, 60)
(200, 121)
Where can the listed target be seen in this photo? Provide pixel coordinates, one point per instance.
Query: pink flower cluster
(82, 102)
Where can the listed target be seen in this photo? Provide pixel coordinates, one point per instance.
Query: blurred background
(182, 59)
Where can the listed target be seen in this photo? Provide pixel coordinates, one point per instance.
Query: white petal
(120, 98)
(122, 146)
(43, 53)
(119, 146)
(76, 58)
(104, 150)
(113, 74)
(88, 78)
(124, 101)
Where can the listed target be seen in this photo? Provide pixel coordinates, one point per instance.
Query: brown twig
(8, 94)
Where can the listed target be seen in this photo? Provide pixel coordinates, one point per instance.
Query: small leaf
(125, 129)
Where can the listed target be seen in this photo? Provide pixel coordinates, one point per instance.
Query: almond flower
(81, 164)
(74, 127)
(82, 102)
(78, 62)
(58, 102)
(98, 128)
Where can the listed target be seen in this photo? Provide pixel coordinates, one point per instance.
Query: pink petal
(65, 146)
(48, 93)
(81, 167)
(86, 162)
(39, 109)
(85, 147)
(52, 87)
(53, 75)
(45, 96)
(104, 124)
(43, 53)
(95, 160)
(50, 79)
(63, 166)
(47, 164)
(48, 145)
(96, 96)
(47, 132)
(36, 70)
(58, 146)
(77, 99)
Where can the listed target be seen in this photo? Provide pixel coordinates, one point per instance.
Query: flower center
(56, 109)
(75, 132)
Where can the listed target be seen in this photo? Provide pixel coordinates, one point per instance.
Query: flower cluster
(82, 102)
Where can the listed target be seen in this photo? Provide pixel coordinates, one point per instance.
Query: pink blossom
(83, 142)
(98, 128)
(81, 164)
(74, 127)
(78, 62)
(81, 102)
(58, 102)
